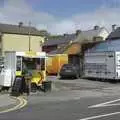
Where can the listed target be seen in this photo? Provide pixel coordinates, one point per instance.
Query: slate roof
(59, 50)
(112, 45)
(83, 35)
(56, 40)
(114, 35)
(24, 30)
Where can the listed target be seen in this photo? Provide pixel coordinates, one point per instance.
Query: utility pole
(29, 33)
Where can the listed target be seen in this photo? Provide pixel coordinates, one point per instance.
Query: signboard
(30, 54)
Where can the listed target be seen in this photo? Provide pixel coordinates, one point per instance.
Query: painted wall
(73, 49)
(104, 34)
(14, 42)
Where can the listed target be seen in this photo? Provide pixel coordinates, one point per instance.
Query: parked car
(69, 71)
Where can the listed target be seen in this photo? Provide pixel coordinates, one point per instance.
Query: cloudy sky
(61, 16)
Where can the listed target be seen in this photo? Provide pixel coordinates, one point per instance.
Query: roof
(56, 40)
(59, 50)
(108, 45)
(90, 34)
(74, 46)
(115, 34)
(16, 29)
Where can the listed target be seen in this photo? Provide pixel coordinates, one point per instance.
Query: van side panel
(100, 65)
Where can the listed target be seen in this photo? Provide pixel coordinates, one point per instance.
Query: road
(91, 100)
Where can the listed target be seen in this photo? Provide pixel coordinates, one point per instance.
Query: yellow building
(20, 38)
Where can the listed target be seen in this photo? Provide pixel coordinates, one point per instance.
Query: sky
(61, 16)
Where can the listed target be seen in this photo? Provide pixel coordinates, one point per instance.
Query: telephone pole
(29, 33)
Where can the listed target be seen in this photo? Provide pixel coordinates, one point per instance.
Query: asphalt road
(72, 104)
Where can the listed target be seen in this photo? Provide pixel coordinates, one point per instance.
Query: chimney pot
(20, 24)
(78, 32)
(114, 27)
(96, 27)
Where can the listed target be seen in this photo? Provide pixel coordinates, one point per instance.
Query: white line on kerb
(100, 116)
(105, 104)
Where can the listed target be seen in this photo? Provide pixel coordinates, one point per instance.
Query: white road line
(105, 104)
(100, 116)
(109, 105)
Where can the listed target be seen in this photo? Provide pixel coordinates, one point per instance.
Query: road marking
(22, 103)
(100, 116)
(105, 104)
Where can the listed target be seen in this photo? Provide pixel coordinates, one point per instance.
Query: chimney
(96, 27)
(20, 24)
(78, 32)
(114, 27)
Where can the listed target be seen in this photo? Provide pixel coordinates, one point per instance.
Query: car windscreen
(67, 66)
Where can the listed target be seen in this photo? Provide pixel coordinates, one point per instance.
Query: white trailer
(102, 65)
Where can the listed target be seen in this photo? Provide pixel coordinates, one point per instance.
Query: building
(75, 44)
(112, 43)
(70, 43)
(55, 43)
(80, 41)
(84, 41)
(115, 34)
(20, 38)
(93, 35)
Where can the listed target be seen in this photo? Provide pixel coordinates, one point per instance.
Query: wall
(74, 48)
(13, 42)
(104, 34)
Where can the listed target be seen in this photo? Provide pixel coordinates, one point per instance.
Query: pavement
(9, 103)
(6, 100)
